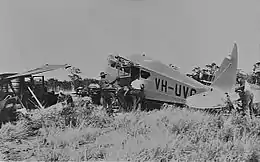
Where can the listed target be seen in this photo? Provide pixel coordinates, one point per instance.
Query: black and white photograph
(130, 80)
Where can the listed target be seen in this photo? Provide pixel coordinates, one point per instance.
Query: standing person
(122, 98)
(136, 90)
(229, 103)
(246, 97)
(106, 96)
(103, 81)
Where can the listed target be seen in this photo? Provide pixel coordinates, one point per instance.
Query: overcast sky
(83, 32)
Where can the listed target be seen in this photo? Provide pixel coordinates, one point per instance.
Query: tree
(206, 73)
(52, 84)
(75, 77)
(66, 85)
(88, 81)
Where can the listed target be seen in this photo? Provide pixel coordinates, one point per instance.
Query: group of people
(130, 96)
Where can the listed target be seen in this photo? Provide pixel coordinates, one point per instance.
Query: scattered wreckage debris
(26, 91)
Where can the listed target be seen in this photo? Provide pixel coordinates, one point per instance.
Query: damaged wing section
(21, 88)
(39, 70)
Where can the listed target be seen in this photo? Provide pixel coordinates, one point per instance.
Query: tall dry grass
(171, 134)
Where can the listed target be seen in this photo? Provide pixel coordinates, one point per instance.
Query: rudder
(226, 75)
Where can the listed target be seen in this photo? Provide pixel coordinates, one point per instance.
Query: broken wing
(39, 70)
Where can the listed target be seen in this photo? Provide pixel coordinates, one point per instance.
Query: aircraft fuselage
(163, 87)
(167, 89)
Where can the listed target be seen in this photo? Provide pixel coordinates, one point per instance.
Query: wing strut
(35, 98)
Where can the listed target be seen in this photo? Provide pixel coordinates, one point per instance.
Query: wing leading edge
(44, 68)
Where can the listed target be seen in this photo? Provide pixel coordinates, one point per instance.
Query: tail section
(223, 66)
(225, 77)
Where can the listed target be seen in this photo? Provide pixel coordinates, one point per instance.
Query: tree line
(75, 81)
(207, 73)
(198, 73)
(57, 85)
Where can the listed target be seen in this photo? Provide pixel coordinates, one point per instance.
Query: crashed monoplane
(164, 84)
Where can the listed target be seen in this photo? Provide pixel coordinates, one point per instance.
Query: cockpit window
(145, 74)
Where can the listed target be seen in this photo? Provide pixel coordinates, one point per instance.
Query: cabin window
(145, 74)
(124, 71)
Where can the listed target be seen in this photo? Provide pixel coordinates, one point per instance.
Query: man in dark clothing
(246, 98)
(229, 103)
(122, 99)
(106, 95)
(138, 97)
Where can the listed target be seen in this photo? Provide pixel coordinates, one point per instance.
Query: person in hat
(103, 81)
(106, 96)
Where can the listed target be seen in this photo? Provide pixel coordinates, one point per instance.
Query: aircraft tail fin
(225, 77)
